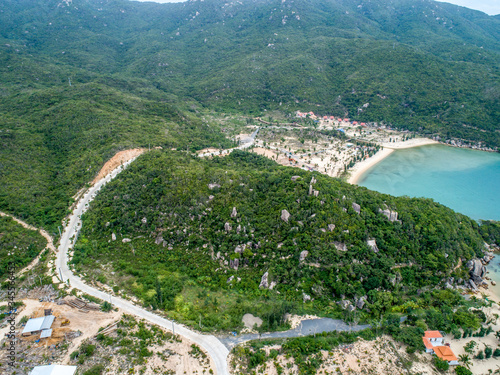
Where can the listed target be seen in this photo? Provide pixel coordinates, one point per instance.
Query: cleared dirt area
(117, 160)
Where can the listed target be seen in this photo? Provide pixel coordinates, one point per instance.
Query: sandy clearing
(118, 159)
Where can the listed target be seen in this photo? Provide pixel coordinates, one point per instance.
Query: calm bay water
(467, 181)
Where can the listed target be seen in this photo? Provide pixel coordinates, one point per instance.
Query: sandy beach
(387, 148)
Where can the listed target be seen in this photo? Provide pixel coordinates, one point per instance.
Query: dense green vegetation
(305, 351)
(84, 79)
(17, 245)
(171, 214)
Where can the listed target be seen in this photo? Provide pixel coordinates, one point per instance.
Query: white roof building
(38, 324)
(53, 370)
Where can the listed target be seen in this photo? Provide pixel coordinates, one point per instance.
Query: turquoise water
(467, 181)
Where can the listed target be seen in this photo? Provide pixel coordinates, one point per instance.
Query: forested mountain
(82, 79)
(213, 239)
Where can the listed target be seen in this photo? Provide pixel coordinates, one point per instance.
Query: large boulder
(227, 227)
(285, 215)
(303, 255)
(372, 244)
(356, 207)
(264, 281)
(234, 213)
(476, 270)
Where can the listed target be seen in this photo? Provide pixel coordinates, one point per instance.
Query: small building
(446, 354)
(53, 370)
(37, 325)
(432, 339)
(434, 344)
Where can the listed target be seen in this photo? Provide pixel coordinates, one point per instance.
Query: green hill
(196, 237)
(83, 79)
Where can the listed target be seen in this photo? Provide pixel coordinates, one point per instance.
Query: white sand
(363, 166)
(388, 148)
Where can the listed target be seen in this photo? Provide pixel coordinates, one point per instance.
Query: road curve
(217, 351)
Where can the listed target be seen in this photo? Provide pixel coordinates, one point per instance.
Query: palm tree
(465, 359)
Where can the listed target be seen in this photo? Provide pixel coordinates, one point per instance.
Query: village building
(39, 325)
(434, 344)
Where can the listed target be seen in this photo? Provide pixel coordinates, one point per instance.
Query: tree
(441, 364)
(465, 359)
(460, 370)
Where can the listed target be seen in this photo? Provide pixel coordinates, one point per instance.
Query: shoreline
(387, 148)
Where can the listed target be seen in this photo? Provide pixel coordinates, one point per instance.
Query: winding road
(217, 351)
(217, 348)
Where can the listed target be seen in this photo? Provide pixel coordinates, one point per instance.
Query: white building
(53, 370)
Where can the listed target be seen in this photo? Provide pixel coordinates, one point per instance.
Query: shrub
(496, 353)
(461, 370)
(488, 352)
(441, 364)
(480, 355)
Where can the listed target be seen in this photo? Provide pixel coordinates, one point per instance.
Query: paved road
(306, 328)
(246, 143)
(218, 349)
(211, 344)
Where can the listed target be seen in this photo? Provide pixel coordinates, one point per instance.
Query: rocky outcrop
(264, 281)
(144, 220)
(356, 207)
(372, 244)
(234, 263)
(360, 302)
(125, 240)
(213, 186)
(295, 178)
(234, 213)
(303, 255)
(113, 237)
(391, 215)
(331, 227)
(306, 297)
(159, 240)
(285, 215)
(477, 271)
(230, 279)
(227, 227)
(340, 246)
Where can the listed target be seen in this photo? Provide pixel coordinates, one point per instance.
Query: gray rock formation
(391, 215)
(113, 237)
(360, 302)
(227, 227)
(356, 207)
(234, 263)
(238, 229)
(476, 270)
(372, 244)
(213, 186)
(331, 227)
(306, 297)
(125, 240)
(158, 240)
(234, 213)
(230, 279)
(264, 282)
(340, 246)
(144, 220)
(285, 215)
(303, 255)
(295, 178)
